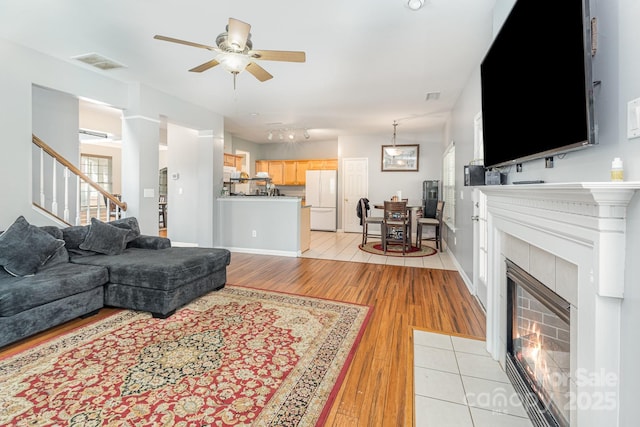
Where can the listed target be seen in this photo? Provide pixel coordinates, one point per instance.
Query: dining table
(412, 209)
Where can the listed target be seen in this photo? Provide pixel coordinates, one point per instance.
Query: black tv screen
(536, 84)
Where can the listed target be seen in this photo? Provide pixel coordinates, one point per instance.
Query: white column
(140, 142)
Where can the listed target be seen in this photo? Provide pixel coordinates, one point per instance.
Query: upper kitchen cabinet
(290, 176)
(301, 171)
(276, 171)
(233, 161)
(323, 164)
(262, 166)
(293, 172)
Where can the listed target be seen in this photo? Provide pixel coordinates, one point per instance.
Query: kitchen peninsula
(270, 225)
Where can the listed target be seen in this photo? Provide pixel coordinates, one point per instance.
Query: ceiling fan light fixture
(415, 4)
(233, 62)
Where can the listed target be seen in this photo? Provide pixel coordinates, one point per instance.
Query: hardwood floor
(378, 388)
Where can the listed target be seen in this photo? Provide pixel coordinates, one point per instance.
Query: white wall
(384, 185)
(183, 192)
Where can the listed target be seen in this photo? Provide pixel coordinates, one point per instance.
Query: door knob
(475, 218)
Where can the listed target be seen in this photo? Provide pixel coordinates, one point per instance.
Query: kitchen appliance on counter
(321, 193)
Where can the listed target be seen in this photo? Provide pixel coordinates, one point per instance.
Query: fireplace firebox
(538, 348)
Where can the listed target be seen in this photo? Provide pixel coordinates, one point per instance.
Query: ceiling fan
(235, 52)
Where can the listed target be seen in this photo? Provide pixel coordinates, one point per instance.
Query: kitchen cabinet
(293, 172)
(290, 175)
(323, 164)
(276, 171)
(262, 166)
(233, 161)
(301, 171)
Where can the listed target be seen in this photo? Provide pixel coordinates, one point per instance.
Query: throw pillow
(128, 224)
(105, 238)
(24, 248)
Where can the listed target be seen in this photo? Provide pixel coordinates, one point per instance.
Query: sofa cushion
(128, 224)
(51, 283)
(164, 269)
(61, 255)
(24, 248)
(106, 239)
(74, 236)
(150, 242)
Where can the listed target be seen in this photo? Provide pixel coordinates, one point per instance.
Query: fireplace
(571, 238)
(538, 347)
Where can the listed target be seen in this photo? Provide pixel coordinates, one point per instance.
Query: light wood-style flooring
(378, 388)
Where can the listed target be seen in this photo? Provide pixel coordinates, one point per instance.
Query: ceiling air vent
(98, 61)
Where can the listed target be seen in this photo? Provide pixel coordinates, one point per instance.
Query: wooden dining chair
(367, 220)
(436, 223)
(396, 221)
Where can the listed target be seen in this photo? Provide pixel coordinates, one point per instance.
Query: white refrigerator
(321, 194)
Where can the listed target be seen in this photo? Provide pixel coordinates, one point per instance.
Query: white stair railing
(97, 202)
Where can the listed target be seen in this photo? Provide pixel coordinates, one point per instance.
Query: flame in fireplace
(531, 354)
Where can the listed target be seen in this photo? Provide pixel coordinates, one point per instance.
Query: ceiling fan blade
(204, 67)
(279, 55)
(258, 72)
(172, 40)
(237, 34)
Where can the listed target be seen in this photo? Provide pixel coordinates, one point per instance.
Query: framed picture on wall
(400, 158)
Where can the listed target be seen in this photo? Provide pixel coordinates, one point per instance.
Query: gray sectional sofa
(52, 275)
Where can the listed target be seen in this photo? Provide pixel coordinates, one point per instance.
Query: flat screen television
(536, 84)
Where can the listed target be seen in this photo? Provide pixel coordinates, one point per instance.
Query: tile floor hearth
(456, 382)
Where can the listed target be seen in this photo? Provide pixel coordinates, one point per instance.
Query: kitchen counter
(271, 225)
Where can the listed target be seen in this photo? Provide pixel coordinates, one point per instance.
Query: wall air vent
(98, 61)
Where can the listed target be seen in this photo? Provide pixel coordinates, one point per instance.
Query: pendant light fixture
(393, 151)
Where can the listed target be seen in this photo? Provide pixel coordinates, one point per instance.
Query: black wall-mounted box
(495, 178)
(473, 175)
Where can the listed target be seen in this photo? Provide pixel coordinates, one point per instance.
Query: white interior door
(355, 185)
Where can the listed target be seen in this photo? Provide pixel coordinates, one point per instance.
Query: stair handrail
(40, 143)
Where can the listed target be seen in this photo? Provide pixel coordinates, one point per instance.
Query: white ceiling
(368, 62)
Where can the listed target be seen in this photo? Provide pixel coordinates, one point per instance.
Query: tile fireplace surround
(571, 237)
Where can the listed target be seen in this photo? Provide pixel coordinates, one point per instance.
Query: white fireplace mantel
(580, 224)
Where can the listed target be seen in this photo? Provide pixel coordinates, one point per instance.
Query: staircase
(64, 192)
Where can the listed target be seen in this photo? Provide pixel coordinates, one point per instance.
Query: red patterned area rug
(396, 250)
(235, 357)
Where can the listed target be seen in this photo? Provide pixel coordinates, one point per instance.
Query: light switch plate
(633, 118)
(149, 192)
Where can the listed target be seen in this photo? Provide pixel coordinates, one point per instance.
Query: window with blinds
(449, 185)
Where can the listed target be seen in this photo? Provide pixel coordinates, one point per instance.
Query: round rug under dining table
(396, 250)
